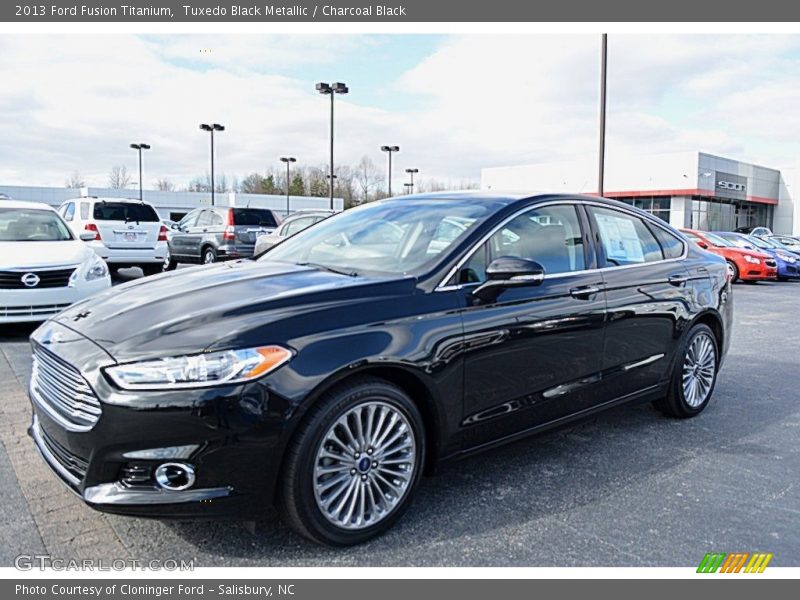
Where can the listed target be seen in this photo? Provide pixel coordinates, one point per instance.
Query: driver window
(550, 235)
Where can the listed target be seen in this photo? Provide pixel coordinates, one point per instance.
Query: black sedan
(327, 376)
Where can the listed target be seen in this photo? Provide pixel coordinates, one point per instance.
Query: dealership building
(171, 205)
(686, 189)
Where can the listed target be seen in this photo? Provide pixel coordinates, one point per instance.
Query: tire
(208, 256)
(304, 493)
(683, 401)
(170, 264)
(152, 269)
(734, 271)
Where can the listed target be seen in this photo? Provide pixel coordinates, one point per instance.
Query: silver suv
(209, 234)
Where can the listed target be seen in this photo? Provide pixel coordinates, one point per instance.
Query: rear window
(254, 216)
(124, 211)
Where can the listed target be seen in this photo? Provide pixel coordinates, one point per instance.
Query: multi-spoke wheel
(695, 375)
(354, 464)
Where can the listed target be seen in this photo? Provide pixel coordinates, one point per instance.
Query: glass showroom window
(658, 206)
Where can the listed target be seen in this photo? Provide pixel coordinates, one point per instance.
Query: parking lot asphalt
(627, 488)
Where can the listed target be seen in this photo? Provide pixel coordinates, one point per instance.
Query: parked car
(787, 241)
(44, 267)
(295, 223)
(787, 262)
(743, 264)
(758, 231)
(127, 233)
(330, 373)
(209, 234)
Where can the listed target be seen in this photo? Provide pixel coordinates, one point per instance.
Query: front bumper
(21, 306)
(236, 431)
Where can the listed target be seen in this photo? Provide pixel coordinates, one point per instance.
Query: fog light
(175, 476)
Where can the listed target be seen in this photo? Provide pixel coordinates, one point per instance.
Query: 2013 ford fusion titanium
(329, 374)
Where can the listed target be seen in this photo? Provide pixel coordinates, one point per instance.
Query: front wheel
(733, 271)
(354, 464)
(695, 375)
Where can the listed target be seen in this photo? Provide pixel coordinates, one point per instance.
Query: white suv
(127, 233)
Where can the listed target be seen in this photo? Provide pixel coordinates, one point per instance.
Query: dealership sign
(730, 186)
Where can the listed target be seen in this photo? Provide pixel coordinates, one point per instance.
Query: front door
(533, 356)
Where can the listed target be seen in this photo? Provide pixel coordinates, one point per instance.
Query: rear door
(647, 293)
(126, 225)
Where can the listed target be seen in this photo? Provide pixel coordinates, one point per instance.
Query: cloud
(76, 102)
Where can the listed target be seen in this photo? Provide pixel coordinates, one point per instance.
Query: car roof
(25, 204)
(106, 199)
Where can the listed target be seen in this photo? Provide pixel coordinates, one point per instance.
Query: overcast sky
(453, 104)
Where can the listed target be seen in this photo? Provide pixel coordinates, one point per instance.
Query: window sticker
(620, 240)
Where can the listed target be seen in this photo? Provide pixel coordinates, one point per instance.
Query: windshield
(393, 237)
(32, 225)
(737, 241)
(717, 241)
(254, 216)
(125, 211)
(759, 243)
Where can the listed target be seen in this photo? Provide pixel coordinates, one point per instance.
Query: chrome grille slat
(62, 392)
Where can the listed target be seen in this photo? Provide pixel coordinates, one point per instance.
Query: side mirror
(87, 236)
(507, 272)
(703, 245)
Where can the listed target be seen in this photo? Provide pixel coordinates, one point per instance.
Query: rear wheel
(694, 376)
(733, 270)
(355, 462)
(169, 263)
(209, 255)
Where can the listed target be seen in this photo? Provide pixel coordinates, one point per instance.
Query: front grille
(35, 311)
(771, 263)
(51, 278)
(73, 463)
(62, 391)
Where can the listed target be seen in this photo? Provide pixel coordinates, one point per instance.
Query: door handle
(678, 280)
(584, 292)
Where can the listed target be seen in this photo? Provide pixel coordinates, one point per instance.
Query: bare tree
(165, 185)
(367, 177)
(119, 178)
(75, 180)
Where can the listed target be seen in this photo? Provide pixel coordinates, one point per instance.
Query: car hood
(33, 255)
(743, 251)
(224, 305)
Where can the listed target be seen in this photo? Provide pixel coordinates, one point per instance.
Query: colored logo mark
(737, 562)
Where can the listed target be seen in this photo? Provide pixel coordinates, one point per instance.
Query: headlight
(97, 270)
(787, 257)
(751, 259)
(200, 370)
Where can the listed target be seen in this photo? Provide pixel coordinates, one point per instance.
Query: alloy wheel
(209, 257)
(365, 465)
(699, 370)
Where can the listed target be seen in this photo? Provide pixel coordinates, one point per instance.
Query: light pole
(411, 172)
(288, 160)
(409, 187)
(211, 129)
(332, 89)
(390, 150)
(601, 166)
(139, 147)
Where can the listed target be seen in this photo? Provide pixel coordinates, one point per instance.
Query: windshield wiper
(327, 268)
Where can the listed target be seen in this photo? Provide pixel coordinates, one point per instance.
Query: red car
(747, 265)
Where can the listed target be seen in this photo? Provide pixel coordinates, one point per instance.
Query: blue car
(788, 262)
